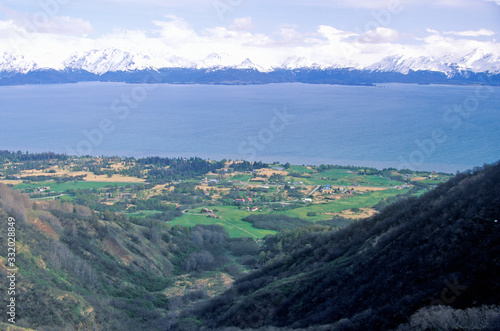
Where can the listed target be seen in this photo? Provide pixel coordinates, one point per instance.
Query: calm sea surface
(444, 128)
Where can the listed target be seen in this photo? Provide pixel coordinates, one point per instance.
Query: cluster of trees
(248, 166)
(14, 203)
(294, 192)
(276, 222)
(149, 204)
(160, 170)
(162, 162)
(325, 167)
(62, 258)
(45, 178)
(277, 179)
(184, 193)
(181, 169)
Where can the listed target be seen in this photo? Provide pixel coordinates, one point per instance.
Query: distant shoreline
(343, 76)
(272, 164)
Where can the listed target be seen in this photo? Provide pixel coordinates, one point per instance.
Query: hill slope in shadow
(421, 256)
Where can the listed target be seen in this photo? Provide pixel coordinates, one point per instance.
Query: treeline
(46, 178)
(325, 167)
(163, 170)
(169, 162)
(8, 156)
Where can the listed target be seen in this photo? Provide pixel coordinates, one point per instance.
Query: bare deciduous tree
(14, 202)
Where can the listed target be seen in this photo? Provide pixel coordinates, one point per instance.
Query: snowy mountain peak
(294, 62)
(403, 64)
(248, 64)
(212, 61)
(476, 61)
(15, 63)
(480, 61)
(214, 56)
(176, 62)
(106, 60)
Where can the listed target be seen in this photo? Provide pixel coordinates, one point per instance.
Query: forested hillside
(436, 257)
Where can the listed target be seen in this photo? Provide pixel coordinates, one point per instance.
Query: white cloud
(48, 22)
(176, 31)
(471, 33)
(243, 23)
(64, 25)
(47, 42)
(333, 34)
(290, 36)
(379, 35)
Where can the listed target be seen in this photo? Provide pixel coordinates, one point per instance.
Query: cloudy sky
(267, 31)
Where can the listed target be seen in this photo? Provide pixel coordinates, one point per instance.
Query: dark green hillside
(442, 248)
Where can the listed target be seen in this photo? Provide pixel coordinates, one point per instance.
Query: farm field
(326, 211)
(62, 187)
(227, 216)
(345, 177)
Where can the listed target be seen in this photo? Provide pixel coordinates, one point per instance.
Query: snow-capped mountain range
(113, 60)
(476, 61)
(115, 65)
(12, 63)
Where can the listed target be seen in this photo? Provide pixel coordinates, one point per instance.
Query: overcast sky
(263, 30)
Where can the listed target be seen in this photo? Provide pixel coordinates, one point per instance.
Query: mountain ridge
(114, 61)
(247, 76)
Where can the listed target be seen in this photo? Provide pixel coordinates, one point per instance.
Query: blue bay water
(390, 125)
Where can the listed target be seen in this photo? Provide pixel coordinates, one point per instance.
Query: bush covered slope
(440, 249)
(79, 272)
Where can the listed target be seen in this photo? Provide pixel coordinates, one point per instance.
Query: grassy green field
(55, 187)
(356, 201)
(343, 177)
(229, 217)
(241, 177)
(300, 169)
